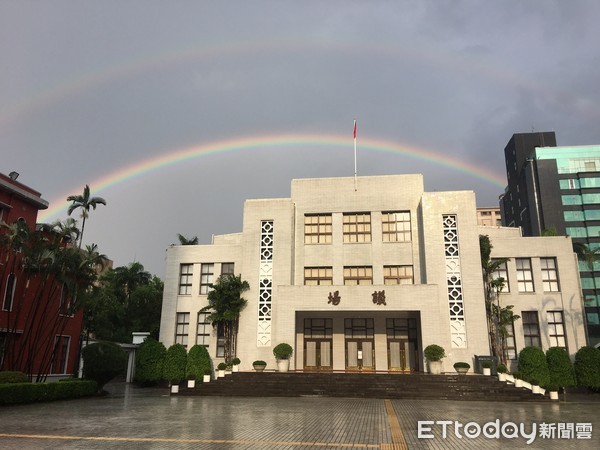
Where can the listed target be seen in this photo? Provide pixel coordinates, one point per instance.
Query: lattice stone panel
(458, 331)
(265, 284)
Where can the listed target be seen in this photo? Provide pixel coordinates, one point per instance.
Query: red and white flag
(354, 128)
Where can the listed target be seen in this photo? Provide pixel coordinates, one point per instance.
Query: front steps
(364, 385)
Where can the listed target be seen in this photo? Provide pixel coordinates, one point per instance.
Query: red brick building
(39, 334)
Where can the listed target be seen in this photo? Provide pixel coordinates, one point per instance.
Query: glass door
(360, 344)
(402, 344)
(318, 342)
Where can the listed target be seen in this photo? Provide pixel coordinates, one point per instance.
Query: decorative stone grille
(458, 331)
(265, 290)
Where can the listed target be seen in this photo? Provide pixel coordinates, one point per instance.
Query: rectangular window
(185, 279)
(227, 268)
(510, 346)
(398, 275)
(359, 328)
(556, 329)
(576, 232)
(395, 226)
(315, 276)
(501, 272)
(317, 229)
(571, 200)
(60, 356)
(357, 227)
(207, 273)
(9, 292)
(574, 216)
(358, 275)
(549, 274)
(203, 330)
(182, 328)
(318, 328)
(531, 328)
(524, 275)
(220, 340)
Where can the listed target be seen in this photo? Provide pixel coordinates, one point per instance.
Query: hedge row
(15, 393)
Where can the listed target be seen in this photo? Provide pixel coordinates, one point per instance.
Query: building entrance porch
(358, 341)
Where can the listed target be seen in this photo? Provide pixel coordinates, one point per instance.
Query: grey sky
(88, 88)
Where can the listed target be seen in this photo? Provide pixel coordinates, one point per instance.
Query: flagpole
(355, 171)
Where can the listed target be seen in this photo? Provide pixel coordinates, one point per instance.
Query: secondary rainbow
(283, 141)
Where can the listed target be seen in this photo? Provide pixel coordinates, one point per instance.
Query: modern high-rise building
(555, 189)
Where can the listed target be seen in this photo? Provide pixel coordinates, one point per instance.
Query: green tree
(102, 362)
(150, 362)
(187, 241)
(175, 363)
(587, 367)
(198, 362)
(85, 202)
(533, 365)
(226, 303)
(562, 373)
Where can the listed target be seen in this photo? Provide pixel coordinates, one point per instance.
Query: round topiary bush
(102, 362)
(533, 366)
(149, 362)
(587, 367)
(562, 373)
(198, 362)
(283, 351)
(501, 368)
(434, 352)
(175, 363)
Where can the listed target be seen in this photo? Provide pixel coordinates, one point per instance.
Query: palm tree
(185, 241)
(85, 202)
(226, 303)
(587, 254)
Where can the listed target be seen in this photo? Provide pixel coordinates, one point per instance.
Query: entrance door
(402, 344)
(317, 354)
(360, 344)
(318, 343)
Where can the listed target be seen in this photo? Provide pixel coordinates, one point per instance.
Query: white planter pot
(191, 384)
(535, 389)
(518, 383)
(216, 374)
(283, 365)
(487, 371)
(174, 389)
(501, 377)
(206, 379)
(235, 368)
(221, 373)
(435, 367)
(553, 395)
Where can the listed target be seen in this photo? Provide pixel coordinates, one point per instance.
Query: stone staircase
(363, 385)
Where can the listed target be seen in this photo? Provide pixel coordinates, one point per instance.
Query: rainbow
(249, 143)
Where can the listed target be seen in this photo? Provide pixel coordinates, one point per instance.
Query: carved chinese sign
(379, 298)
(334, 298)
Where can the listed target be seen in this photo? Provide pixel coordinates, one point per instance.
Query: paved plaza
(135, 418)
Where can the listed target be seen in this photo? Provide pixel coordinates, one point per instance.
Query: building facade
(38, 333)
(557, 188)
(489, 216)
(354, 277)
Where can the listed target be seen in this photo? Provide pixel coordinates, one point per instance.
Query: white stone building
(360, 277)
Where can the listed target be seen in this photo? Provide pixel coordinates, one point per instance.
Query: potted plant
(221, 367)
(486, 368)
(191, 380)
(434, 354)
(535, 386)
(282, 353)
(518, 380)
(206, 376)
(552, 390)
(502, 371)
(259, 365)
(462, 367)
(236, 364)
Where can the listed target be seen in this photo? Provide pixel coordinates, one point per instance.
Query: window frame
(524, 275)
(8, 300)
(391, 279)
(390, 224)
(553, 329)
(207, 277)
(549, 283)
(202, 338)
(502, 272)
(531, 328)
(323, 276)
(353, 273)
(182, 328)
(319, 232)
(357, 228)
(186, 278)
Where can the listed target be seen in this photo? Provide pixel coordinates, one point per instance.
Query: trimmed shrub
(198, 360)
(13, 377)
(562, 373)
(102, 362)
(434, 352)
(533, 365)
(282, 351)
(587, 367)
(462, 365)
(175, 363)
(222, 366)
(236, 361)
(501, 368)
(149, 362)
(18, 393)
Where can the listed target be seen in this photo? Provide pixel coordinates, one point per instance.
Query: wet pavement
(135, 418)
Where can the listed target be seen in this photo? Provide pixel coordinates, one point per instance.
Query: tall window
(502, 272)
(315, 276)
(220, 340)
(357, 227)
(64, 308)
(227, 268)
(531, 328)
(549, 274)
(185, 279)
(556, 329)
(358, 275)
(9, 292)
(203, 330)
(510, 345)
(317, 229)
(395, 226)
(524, 275)
(182, 328)
(60, 357)
(207, 274)
(398, 275)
